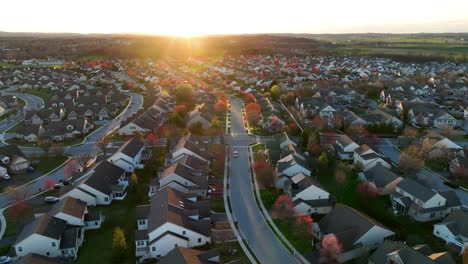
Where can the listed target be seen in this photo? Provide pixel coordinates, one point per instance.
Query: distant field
(424, 46)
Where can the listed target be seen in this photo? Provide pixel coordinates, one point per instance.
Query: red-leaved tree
(330, 249)
(366, 190)
(249, 98)
(283, 207)
(48, 184)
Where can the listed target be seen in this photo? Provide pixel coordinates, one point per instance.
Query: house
(183, 178)
(182, 255)
(459, 164)
(307, 197)
(106, 182)
(437, 141)
(345, 147)
(187, 146)
(67, 129)
(383, 179)
(198, 116)
(379, 117)
(421, 203)
(13, 158)
(454, 229)
(290, 166)
(423, 114)
(400, 253)
(129, 155)
(49, 236)
(369, 158)
(171, 219)
(358, 234)
(38, 259)
(284, 140)
(75, 212)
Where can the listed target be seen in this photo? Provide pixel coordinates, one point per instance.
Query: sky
(200, 17)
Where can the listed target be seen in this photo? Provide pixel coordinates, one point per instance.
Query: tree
(290, 97)
(409, 134)
(366, 190)
(303, 226)
(330, 249)
(197, 128)
(275, 92)
(119, 243)
(102, 144)
(80, 161)
(184, 93)
(266, 173)
(283, 207)
(254, 117)
(447, 132)
(20, 211)
(249, 98)
(139, 136)
(253, 107)
(410, 162)
(221, 107)
(323, 161)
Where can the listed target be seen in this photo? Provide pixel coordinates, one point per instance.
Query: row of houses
(178, 215)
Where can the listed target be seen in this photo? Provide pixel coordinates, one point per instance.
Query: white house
(184, 179)
(454, 229)
(188, 147)
(345, 147)
(105, 183)
(171, 219)
(421, 203)
(369, 158)
(357, 232)
(311, 199)
(129, 155)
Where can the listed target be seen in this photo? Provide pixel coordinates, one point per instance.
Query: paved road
(32, 102)
(251, 223)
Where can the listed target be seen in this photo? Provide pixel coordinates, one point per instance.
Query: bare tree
(83, 159)
(102, 144)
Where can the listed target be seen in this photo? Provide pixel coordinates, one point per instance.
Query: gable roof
(45, 225)
(457, 222)
(380, 176)
(131, 147)
(70, 206)
(182, 255)
(416, 189)
(104, 175)
(348, 232)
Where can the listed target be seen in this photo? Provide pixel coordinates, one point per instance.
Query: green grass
(269, 197)
(48, 163)
(258, 147)
(97, 247)
(217, 204)
(302, 243)
(16, 127)
(226, 248)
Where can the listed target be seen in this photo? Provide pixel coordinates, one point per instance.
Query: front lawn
(97, 246)
(231, 251)
(217, 204)
(48, 163)
(269, 197)
(44, 93)
(300, 242)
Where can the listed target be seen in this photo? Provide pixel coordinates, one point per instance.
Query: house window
(48, 253)
(53, 244)
(437, 232)
(432, 215)
(175, 245)
(183, 232)
(20, 249)
(153, 248)
(106, 199)
(199, 240)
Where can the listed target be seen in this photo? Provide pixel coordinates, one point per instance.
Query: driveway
(251, 223)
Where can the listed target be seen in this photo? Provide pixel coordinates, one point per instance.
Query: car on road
(5, 259)
(6, 176)
(57, 186)
(51, 199)
(235, 154)
(66, 183)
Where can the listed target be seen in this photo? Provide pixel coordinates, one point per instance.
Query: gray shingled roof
(380, 176)
(416, 189)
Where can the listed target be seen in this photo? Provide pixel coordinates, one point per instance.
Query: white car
(235, 154)
(6, 177)
(51, 199)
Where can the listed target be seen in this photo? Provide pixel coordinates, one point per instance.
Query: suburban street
(89, 145)
(251, 223)
(32, 102)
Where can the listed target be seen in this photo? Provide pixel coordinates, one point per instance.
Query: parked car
(51, 199)
(66, 183)
(6, 176)
(5, 259)
(31, 169)
(57, 186)
(235, 154)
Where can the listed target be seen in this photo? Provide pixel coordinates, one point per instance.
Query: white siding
(38, 244)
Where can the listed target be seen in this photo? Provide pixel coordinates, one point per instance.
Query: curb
(268, 219)
(237, 233)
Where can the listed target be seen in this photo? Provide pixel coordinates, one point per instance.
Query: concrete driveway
(251, 222)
